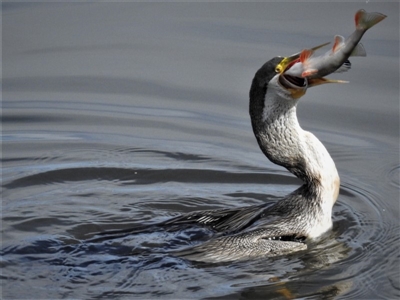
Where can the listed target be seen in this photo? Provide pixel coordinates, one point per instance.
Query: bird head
(297, 86)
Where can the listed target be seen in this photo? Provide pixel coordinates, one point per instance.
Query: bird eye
(278, 69)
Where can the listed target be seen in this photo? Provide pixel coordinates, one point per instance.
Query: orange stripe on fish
(309, 72)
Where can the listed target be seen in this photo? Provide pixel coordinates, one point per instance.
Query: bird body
(305, 214)
(286, 226)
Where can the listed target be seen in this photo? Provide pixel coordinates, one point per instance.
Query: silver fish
(336, 59)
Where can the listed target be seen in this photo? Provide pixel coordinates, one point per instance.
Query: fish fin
(366, 20)
(305, 55)
(297, 55)
(309, 72)
(345, 67)
(359, 50)
(339, 42)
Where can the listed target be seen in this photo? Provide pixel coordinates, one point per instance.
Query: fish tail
(365, 20)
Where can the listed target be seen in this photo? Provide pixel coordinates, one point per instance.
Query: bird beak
(288, 61)
(323, 80)
(295, 85)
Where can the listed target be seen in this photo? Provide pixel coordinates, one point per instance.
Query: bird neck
(285, 143)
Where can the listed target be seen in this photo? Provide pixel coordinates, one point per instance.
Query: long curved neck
(285, 143)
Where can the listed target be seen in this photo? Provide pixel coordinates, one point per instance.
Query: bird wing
(247, 245)
(223, 220)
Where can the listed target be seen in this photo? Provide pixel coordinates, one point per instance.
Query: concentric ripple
(56, 226)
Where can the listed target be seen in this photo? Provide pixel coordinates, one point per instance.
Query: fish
(336, 59)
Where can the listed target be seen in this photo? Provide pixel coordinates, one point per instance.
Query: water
(116, 115)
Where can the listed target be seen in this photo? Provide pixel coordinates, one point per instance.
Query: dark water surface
(124, 114)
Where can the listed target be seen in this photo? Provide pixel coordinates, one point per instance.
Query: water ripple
(357, 235)
(394, 176)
